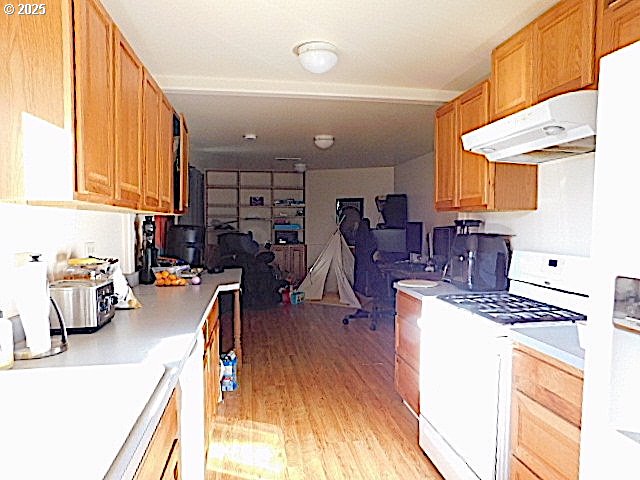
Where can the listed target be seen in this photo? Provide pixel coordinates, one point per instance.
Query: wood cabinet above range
(469, 182)
(554, 54)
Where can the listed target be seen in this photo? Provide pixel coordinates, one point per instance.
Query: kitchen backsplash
(562, 222)
(59, 234)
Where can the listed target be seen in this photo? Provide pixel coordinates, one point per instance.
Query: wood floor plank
(316, 401)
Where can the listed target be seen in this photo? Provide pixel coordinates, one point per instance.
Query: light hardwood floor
(316, 401)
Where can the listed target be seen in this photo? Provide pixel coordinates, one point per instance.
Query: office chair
(393, 208)
(260, 282)
(368, 280)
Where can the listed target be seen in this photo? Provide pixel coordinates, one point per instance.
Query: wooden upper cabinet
(129, 76)
(37, 78)
(151, 121)
(183, 184)
(511, 74)
(469, 182)
(564, 41)
(618, 25)
(94, 101)
(446, 157)
(474, 180)
(166, 155)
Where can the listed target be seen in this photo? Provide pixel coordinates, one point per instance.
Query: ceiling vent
(288, 159)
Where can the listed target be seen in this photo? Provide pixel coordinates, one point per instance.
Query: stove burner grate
(506, 308)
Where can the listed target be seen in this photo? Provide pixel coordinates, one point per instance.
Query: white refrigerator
(610, 442)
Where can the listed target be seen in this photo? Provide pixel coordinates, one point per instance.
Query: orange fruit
(172, 277)
(160, 282)
(175, 281)
(182, 281)
(158, 275)
(165, 273)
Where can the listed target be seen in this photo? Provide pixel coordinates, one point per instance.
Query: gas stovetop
(507, 308)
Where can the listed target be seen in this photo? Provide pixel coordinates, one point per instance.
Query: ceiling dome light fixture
(317, 57)
(323, 141)
(249, 136)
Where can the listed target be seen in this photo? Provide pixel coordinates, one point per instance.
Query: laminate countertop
(89, 412)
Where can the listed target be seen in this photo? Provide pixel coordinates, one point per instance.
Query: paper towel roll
(32, 300)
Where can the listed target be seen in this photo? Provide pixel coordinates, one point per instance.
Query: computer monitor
(390, 240)
(391, 243)
(414, 237)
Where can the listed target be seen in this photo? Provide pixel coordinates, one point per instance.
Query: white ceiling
(230, 67)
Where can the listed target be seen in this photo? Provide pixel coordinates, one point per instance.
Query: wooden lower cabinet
(407, 345)
(161, 460)
(520, 472)
(545, 417)
(291, 259)
(211, 371)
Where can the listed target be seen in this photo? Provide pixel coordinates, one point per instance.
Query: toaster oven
(86, 305)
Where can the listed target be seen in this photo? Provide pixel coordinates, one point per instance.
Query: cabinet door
(184, 166)
(511, 74)
(163, 452)
(129, 75)
(93, 37)
(543, 441)
(564, 40)
(520, 471)
(474, 169)
(618, 25)
(172, 468)
(151, 119)
(281, 259)
(166, 155)
(298, 261)
(407, 384)
(446, 157)
(37, 78)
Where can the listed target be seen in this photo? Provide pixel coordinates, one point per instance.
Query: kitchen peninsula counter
(163, 331)
(94, 418)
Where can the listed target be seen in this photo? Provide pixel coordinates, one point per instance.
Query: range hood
(556, 128)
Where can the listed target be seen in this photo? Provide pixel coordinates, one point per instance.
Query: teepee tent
(337, 254)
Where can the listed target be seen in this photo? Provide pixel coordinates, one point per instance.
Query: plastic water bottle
(229, 375)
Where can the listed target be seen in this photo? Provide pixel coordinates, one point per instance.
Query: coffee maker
(149, 251)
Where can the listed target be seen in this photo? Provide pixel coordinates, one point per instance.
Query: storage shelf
(225, 205)
(255, 187)
(271, 185)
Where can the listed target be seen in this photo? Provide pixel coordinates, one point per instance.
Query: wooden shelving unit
(278, 199)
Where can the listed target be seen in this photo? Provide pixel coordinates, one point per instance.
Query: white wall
(59, 234)
(323, 187)
(416, 179)
(562, 222)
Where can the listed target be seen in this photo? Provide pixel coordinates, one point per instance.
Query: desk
(401, 270)
(394, 271)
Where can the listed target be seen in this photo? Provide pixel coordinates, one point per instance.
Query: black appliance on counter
(149, 251)
(186, 242)
(479, 262)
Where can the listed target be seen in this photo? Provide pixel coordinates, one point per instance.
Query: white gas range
(465, 360)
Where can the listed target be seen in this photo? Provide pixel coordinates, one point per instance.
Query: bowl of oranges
(165, 278)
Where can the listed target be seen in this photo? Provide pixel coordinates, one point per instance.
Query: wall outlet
(89, 249)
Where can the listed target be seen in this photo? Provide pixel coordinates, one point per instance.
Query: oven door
(460, 365)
